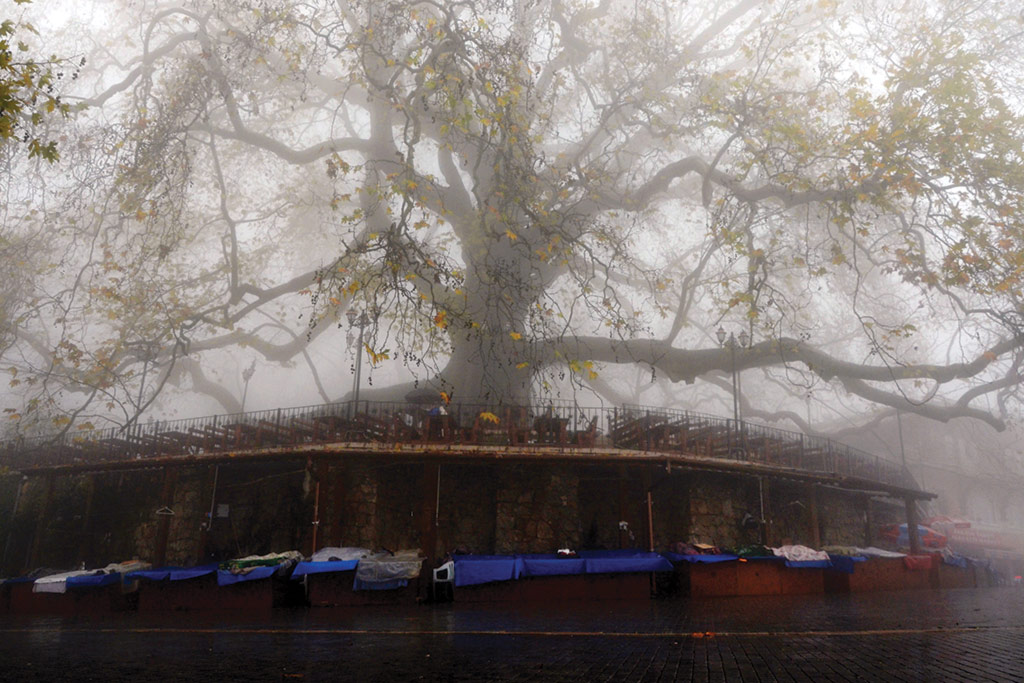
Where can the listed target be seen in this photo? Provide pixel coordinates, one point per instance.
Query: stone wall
(466, 509)
(359, 507)
(607, 496)
(269, 508)
(671, 508)
(718, 504)
(399, 518)
(536, 509)
(842, 517)
(491, 507)
(788, 511)
(187, 526)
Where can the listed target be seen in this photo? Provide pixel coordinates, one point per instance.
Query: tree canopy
(530, 196)
(27, 89)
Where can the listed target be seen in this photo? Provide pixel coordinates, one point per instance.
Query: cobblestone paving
(953, 635)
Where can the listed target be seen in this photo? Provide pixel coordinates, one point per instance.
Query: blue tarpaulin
(550, 564)
(846, 563)
(92, 580)
(471, 570)
(624, 561)
(809, 564)
(159, 574)
(226, 578)
(676, 557)
(955, 560)
(192, 572)
(304, 568)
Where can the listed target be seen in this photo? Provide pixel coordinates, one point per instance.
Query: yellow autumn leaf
(522, 365)
(375, 357)
(515, 335)
(490, 417)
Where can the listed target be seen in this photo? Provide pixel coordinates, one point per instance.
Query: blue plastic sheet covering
(955, 560)
(394, 584)
(846, 563)
(93, 580)
(226, 578)
(304, 568)
(471, 570)
(192, 572)
(550, 564)
(624, 561)
(809, 564)
(676, 557)
(158, 574)
(19, 579)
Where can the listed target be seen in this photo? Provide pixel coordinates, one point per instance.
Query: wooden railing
(555, 424)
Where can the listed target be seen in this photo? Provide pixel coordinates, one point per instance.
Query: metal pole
(316, 514)
(213, 499)
(899, 428)
(735, 395)
(764, 522)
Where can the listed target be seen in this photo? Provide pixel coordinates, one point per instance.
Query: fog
(530, 200)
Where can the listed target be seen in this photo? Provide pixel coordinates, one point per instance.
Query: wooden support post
(812, 506)
(915, 542)
(429, 511)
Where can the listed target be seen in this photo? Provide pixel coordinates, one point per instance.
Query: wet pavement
(927, 635)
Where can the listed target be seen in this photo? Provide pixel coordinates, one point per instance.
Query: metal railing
(560, 424)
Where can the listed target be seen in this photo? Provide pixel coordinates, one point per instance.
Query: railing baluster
(698, 433)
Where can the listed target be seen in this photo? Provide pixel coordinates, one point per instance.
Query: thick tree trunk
(483, 369)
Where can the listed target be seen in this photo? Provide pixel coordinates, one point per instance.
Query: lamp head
(744, 338)
(351, 315)
(720, 333)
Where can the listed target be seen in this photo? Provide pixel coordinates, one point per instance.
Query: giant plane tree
(525, 195)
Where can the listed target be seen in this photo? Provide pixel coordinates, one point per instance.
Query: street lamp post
(731, 342)
(360, 320)
(744, 342)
